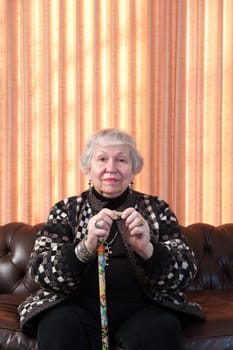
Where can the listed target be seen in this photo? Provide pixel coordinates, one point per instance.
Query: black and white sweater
(55, 267)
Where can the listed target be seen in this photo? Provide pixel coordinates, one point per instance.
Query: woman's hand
(137, 233)
(99, 227)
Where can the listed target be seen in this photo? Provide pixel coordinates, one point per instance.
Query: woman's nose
(110, 166)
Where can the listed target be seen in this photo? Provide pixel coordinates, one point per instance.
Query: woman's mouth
(111, 180)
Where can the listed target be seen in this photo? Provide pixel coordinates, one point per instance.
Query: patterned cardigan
(55, 267)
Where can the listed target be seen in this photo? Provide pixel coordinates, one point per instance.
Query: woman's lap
(71, 327)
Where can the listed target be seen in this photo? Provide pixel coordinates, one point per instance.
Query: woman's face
(111, 169)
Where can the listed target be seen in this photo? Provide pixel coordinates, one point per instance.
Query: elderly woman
(148, 263)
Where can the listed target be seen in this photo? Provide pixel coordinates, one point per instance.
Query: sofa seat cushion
(217, 333)
(10, 335)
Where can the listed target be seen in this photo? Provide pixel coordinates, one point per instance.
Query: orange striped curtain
(161, 70)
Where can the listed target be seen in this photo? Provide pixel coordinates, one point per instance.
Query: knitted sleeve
(53, 262)
(173, 265)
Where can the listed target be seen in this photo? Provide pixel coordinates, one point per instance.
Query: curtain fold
(160, 70)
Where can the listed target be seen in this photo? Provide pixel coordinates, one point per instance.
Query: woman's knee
(67, 327)
(148, 327)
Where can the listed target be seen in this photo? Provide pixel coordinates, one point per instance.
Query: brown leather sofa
(212, 287)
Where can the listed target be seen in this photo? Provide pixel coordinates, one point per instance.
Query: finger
(98, 224)
(139, 222)
(102, 225)
(135, 220)
(108, 213)
(127, 212)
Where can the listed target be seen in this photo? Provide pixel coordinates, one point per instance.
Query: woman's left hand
(137, 233)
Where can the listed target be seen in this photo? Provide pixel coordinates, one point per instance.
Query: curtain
(161, 70)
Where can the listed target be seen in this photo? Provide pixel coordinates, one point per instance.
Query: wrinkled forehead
(114, 149)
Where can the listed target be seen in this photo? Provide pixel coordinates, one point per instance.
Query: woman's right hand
(99, 227)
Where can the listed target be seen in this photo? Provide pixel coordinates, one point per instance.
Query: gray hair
(111, 137)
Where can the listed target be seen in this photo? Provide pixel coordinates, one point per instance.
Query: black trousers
(71, 327)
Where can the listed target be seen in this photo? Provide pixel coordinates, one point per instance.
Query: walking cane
(102, 293)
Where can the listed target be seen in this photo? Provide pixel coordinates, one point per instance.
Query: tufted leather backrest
(213, 247)
(16, 242)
